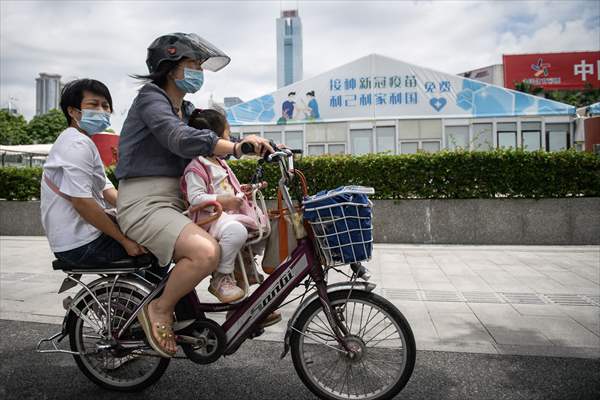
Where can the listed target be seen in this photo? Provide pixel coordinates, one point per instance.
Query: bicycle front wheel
(379, 335)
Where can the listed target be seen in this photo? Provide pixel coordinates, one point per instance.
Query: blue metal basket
(341, 221)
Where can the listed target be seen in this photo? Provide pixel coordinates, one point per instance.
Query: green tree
(528, 88)
(13, 129)
(46, 128)
(577, 98)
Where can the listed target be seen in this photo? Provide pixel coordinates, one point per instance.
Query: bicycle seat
(125, 265)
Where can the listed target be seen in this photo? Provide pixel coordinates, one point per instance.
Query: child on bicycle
(207, 179)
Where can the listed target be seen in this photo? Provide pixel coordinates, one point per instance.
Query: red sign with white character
(558, 71)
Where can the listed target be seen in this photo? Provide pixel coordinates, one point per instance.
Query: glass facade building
(289, 48)
(47, 93)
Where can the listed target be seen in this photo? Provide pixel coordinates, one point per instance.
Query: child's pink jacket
(249, 215)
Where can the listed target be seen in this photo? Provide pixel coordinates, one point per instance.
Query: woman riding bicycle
(155, 146)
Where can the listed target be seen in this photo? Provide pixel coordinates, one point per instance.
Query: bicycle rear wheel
(103, 360)
(384, 344)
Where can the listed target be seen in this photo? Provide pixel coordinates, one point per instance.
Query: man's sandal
(164, 331)
(271, 319)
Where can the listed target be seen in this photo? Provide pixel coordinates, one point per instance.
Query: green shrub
(441, 175)
(20, 183)
(448, 174)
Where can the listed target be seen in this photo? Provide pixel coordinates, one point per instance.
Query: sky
(107, 40)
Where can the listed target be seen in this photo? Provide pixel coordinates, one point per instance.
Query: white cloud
(107, 40)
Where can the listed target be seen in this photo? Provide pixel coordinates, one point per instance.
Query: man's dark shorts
(98, 252)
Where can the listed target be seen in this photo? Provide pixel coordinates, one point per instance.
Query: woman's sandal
(164, 331)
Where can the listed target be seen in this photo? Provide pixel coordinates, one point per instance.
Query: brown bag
(282, 240)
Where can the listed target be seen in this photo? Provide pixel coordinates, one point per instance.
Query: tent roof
(379, 87)
(594, 109)
(42, 149)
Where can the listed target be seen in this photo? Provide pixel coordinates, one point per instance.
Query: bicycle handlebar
(271, 157)
(248, 148)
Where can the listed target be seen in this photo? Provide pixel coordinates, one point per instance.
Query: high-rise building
(47, 93)
(289, 48)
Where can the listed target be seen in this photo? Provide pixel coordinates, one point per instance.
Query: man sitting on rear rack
(75, 190)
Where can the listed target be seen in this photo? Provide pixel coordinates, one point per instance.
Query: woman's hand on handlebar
(132, 248)
(261, 145)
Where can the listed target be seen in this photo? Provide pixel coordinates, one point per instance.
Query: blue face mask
(192, 80)
(93, 121)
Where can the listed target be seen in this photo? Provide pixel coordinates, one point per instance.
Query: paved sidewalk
(526, 300)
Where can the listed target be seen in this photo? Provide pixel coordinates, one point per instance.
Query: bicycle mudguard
(336, 287)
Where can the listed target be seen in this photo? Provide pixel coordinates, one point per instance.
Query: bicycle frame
(248, 313)
(122, 293)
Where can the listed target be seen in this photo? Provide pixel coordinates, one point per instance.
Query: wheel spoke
(320, 342)
(385, 372)
(361, 374)
(352, 318)
(387, 326)
(325, 325)
(367, 370)
(364, 332)
(384, 339)
(371, 328)
(330, 370)
(366, 322)
(362, 309)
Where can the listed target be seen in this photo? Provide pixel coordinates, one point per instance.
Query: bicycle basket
(341, 222)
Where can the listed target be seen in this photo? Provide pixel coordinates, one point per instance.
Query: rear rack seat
(123, 266)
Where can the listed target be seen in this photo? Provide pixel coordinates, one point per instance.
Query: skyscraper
(47, 93)
(289, 48)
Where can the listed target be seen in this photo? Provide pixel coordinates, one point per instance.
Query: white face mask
(93, 121)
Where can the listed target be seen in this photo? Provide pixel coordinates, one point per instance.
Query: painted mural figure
(287, 107)
(312, 112)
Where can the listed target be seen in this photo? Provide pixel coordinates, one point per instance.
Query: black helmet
(175, 46)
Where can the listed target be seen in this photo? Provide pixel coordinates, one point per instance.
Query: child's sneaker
(224, 288)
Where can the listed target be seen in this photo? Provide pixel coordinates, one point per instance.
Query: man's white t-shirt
(75, 167)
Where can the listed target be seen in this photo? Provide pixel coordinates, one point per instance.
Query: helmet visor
(212, 58)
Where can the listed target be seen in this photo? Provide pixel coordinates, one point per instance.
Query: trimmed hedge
(20, 183)
(450, 174)
(441, 175)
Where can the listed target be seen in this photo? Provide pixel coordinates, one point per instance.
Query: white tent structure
(38, 149)
(379, 104)
(24, 154)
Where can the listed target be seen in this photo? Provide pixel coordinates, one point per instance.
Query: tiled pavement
(538, 300)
